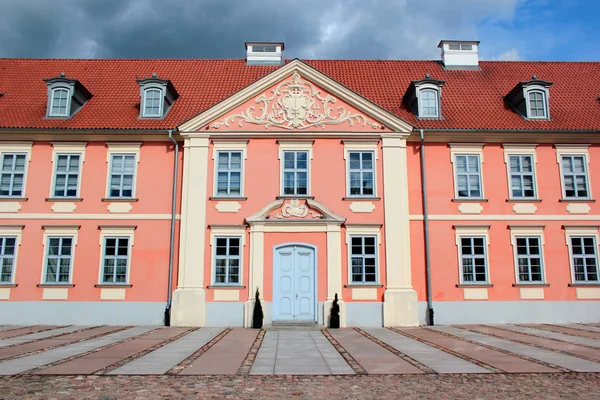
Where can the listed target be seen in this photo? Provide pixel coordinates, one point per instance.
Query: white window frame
(523, 231)
(59, 231)
(68, 105)
(545, 98)
(18, 148)
(145, 92)
(295, 145)
(363, 230)
(229, 146)
(579, 150)
(125, 149)
(521, 150)
(12, 231)
(363, 146)
(116, 232)
(467, 149)
(470, 231)
(61, 149)
(436, 91)
(582, 231)
(227, 231)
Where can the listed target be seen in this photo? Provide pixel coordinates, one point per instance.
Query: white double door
(294, 283)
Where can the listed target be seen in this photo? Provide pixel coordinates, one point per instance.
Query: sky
(557, 30)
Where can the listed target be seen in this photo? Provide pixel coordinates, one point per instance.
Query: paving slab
(553, 335)
(40, 335)
(20, 365)
(167, 357)
(539, 341)
(28, 330)
(226, 356)
(371, 356)
(436, 359)
(99, 360)
(547, 356)
(566, 331)
(25, 348)
(482, 354)
(584, 327)
(298, 353)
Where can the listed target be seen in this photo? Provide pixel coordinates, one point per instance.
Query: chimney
(264, 53)
(460, 54)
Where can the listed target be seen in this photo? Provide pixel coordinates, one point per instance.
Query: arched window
(537, 104)
(59, 106)
(428, 103)
(153, 102)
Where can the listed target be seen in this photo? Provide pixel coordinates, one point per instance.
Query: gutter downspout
(429, 314)
(172, 242)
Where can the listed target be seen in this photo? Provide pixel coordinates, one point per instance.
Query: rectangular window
(66, 179)
(473, 259)
(529, 259)
(227, 260)
(362, 173)
(229, 173)
(584, 258)
(522, 181)
(7, 258)
(575, 179)
(115, 260)
(363, 259)
(59, 256)
(12, 176)
(122, 172)
(468, 176)
(295, 173)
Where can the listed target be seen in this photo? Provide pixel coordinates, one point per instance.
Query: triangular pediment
(296, 97)
(295, 210)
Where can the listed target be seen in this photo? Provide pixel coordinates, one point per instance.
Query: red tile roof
(470, 99)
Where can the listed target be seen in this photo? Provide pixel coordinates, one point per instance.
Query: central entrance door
(294, 283)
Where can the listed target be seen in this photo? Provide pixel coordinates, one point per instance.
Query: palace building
(174, 191)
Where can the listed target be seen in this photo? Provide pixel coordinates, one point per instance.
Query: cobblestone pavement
(481, 350)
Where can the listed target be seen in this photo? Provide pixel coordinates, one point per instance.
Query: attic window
(424, 98)
(464, 47)
(65, 96)
(157, 96)
(428, 103)
(537, 104)
(531, 98)
(264, 49)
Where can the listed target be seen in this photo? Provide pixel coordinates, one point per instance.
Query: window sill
(14, 198)
(524, 200)
(474, 285)
(113, 285)
(61, 199)
(8, 285)
(120, 199)
(577, 200)
(225, 198)
(56, 285)
(359, 285)
(524, 285)
(292, 196)
(582, 284)
(469, 200)
(232, 287)
(361, 198)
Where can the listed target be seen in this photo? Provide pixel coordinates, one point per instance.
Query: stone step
(294, 326)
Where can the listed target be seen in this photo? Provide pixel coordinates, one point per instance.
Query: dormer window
(424, 98)
(157, 97)
(65, 96)
(530, 98)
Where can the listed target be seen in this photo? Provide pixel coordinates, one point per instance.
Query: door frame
(315, 274)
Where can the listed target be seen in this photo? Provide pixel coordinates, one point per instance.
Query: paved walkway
(157, 350)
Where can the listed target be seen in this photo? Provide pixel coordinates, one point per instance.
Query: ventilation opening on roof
(460, 54)
(264, 53)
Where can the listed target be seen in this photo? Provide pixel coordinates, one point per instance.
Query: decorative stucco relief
(295, 209)
(470, 208)
(228, 206)
(361, 207)
(524, 208)
(67, 207)
(10, 206)
(119, 207)
(578, 208)
(296, 104)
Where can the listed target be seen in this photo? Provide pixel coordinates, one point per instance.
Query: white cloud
(508, 55)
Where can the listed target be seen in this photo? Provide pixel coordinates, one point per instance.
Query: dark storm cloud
(218, 28)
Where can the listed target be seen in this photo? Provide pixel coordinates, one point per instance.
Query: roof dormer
(531, 98)
(65, 96)
(264, 53)
(157, 96)
(424, 98)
